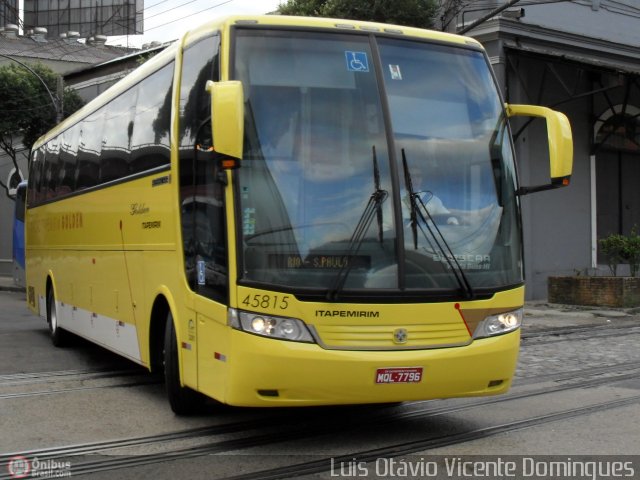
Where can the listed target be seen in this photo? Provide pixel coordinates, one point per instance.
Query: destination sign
(319, 262)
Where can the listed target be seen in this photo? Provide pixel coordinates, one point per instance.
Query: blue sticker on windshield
(357, 61)
(202, 275)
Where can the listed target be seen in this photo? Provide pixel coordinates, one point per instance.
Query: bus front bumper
(267, 372)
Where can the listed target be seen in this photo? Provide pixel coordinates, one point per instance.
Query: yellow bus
(284, 211)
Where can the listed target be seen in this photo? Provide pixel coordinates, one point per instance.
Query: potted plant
(613, 248)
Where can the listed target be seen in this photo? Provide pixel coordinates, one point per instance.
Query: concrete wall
(559, 226)
(556, 223)
(612, 20)
(592, 48)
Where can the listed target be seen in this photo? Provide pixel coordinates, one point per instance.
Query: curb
(12, 288)
(7, 285)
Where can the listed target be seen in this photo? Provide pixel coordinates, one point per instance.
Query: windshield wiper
(378, 191)
(419, 211)
(371, 210)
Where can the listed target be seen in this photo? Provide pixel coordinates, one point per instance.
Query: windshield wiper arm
(371, 210)
(413, 204)
(376, 184)
(419, 211)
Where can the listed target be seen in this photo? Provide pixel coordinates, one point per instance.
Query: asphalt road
(84, 412)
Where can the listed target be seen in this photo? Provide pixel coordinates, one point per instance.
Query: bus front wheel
(183, 400)
(59, 337)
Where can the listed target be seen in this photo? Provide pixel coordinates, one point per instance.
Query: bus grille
(389, 337)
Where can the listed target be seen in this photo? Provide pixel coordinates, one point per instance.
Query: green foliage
(622, 249)
(612, 247)
(27, 107)
(413, 13)
(307, 8)
(145, 58)
(632, 252)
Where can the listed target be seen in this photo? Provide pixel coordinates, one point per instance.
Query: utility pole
(60, 96)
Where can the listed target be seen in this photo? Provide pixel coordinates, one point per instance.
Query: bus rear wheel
(183, 400)
(59, 337)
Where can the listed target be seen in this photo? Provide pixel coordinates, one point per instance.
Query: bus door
(203, 222)
(206, 268)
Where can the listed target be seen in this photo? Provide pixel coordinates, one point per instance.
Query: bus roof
(225, 23)
(332, 24)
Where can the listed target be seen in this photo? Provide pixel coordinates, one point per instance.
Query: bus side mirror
(227, 120)
(560, 145)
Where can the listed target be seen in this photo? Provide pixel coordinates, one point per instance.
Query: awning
(610, 63)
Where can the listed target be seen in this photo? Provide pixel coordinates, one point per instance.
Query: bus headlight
(499, 324)
(270, 326)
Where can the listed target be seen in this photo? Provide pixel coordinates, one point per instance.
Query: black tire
(183, 400)
(59, 337)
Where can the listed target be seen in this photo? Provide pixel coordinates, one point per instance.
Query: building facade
(62, 55)
(582, 58)
(107, 17)
(9, 12)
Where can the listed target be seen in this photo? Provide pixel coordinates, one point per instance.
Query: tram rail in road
(379, 416)
(559, 395)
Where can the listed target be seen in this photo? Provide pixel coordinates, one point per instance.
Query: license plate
(399, 375)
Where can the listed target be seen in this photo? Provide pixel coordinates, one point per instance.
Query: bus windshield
(323, 196)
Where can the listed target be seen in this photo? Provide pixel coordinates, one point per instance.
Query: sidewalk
(6, 284)
(538, 314)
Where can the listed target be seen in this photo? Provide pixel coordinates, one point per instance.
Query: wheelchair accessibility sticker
(357, 61)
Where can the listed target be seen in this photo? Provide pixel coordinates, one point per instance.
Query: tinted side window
(150, 133)
(116, 149)
(35, 169)
(50, 176)
(89, 150)
(200, 63)
(67, 160)
(201, 195)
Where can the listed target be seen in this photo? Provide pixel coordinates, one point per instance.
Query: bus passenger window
(116, 150)
(150, 135)
(90, 148)
(201, 195)
(50, 178)
(87, 173)
(112, 168)
(35, 173)
(67, 160)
